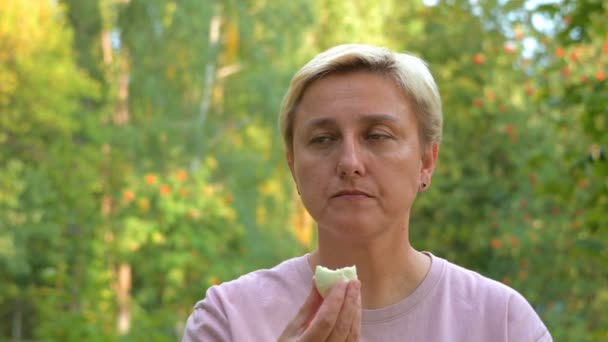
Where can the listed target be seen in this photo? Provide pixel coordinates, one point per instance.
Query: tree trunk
(121, 111)
(122, 288)
(210, 74)
(18, 320)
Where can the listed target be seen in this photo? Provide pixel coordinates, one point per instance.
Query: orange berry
(164, 190)
(522, 275)
(150, 179)
(514, 242)
(600, 76)
(181, 175)
(128, 195)
(477, 103)
(479, 59)
(509, 130)
(582, 183)
(605, 48)
(490, 96)
(495, 243)
(559, 52)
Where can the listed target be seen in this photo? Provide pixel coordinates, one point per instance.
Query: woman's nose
(350, 160)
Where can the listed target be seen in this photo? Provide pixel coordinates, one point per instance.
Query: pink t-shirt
(451, 304)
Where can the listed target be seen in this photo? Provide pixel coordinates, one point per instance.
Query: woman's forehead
(362, 96)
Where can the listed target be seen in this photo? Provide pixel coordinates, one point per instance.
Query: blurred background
(141, 162)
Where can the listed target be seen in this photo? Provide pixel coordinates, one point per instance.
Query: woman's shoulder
(479, 290)
(491, 299)
(286, 276)
(472, 284)
(252, 304)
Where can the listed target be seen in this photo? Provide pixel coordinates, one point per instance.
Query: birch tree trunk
(123, 287)
(209, 80)
(17, 328)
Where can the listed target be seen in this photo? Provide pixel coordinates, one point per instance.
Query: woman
(362, 127)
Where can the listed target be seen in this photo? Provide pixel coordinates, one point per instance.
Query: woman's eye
(377, 136)
(321, 139)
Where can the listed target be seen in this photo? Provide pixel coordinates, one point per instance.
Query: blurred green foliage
(140, 159)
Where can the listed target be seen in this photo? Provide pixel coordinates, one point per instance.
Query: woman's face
(357, 159)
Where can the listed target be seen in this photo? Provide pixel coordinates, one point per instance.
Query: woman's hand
(335, 318)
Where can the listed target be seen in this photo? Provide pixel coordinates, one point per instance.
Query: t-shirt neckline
(388, 313)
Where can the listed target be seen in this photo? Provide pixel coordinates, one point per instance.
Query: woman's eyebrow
(372, 118)
(321, 122)
(376, 118)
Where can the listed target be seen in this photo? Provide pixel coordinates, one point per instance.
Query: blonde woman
(362, 127)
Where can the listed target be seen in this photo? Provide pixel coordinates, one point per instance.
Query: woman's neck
(389, 268)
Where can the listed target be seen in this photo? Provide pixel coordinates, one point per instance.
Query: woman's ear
(429, 160)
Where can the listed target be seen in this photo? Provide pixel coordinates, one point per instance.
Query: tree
(39, 132)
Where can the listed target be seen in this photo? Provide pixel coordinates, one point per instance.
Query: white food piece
(326, 278)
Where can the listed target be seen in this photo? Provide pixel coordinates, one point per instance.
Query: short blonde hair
(410, 73)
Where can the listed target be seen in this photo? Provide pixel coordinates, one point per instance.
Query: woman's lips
(351, 194)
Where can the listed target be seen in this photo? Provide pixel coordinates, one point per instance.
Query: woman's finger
(323, 322)
(355, 329)
(308, 309)
(350, 308)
